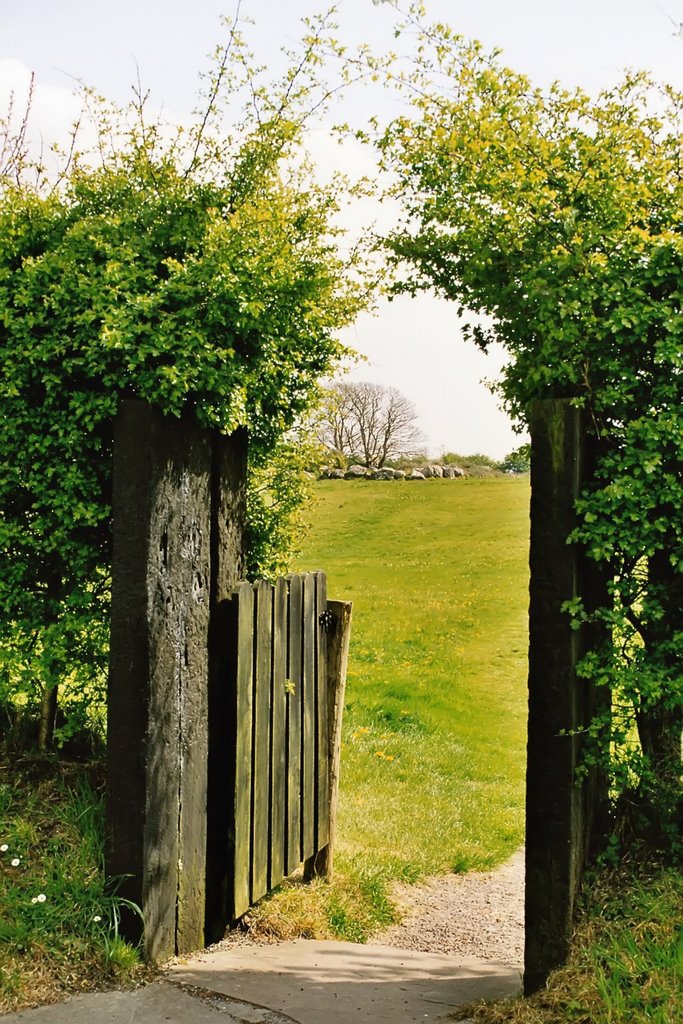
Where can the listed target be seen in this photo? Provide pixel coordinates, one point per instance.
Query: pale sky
(412, 344)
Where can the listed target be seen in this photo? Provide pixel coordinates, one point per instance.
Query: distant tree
(478, 459)
(368, 423)
(518, 460)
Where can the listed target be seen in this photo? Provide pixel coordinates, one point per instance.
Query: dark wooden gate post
(168, 485)
(561, 812)
(338, 640)
(228, 567)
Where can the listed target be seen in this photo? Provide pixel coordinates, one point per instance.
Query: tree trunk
(49, 700)
(48, 717)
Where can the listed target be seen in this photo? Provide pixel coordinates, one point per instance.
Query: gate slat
(243, 710)
(278, 737)
(261, 767)
(294, 701)
(308, 798)
(322, 718)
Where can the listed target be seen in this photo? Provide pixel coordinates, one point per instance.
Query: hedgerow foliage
(559, 217)
(192, 267)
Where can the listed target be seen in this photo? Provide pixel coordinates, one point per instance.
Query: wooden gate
(269, 779)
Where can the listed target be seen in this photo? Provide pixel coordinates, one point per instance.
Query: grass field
(437, 670)
(433, 755)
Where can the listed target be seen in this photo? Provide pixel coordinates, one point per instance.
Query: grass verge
(58, 920)
(626, 964)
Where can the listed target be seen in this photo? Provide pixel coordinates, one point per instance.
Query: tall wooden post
(228, 567)
(338, 640)
(164, 582)
(561, 811)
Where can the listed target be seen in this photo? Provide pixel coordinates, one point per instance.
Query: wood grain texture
(261, 740)
(279, 744)
(308, 789)
(560, 814)
(338, 640)
(294, 722)
(322, 724)
(157, 732)
(228, 549)
(241, 793)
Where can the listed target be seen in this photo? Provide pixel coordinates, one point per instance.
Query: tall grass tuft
(58, 919)
(626, 964)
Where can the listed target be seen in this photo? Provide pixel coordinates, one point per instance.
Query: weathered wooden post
(228, 567)
(562, 813)
(338, 639)
(170, 511)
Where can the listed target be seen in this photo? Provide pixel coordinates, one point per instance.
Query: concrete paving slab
(344, 983)
(160, 1003)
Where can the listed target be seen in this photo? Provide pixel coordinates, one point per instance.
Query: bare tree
(368, 423)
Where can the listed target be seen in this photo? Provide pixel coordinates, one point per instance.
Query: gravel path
(478, 914)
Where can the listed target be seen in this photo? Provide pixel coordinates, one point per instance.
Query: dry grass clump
(351, 907)
(294, 911)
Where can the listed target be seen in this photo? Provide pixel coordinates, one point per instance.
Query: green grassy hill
(434, 739)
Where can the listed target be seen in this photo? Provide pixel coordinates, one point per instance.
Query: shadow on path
(329, 982)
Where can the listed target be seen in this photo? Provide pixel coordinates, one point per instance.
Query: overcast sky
(413, 344)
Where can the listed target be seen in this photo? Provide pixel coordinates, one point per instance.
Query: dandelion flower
(97, 917)
(4, 848)
(34, 899)
(41, 897)
(16, 862)
(379, 753)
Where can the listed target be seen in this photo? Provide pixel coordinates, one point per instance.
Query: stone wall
(372, 473)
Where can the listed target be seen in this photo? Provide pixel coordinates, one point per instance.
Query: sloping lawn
(434, 740)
